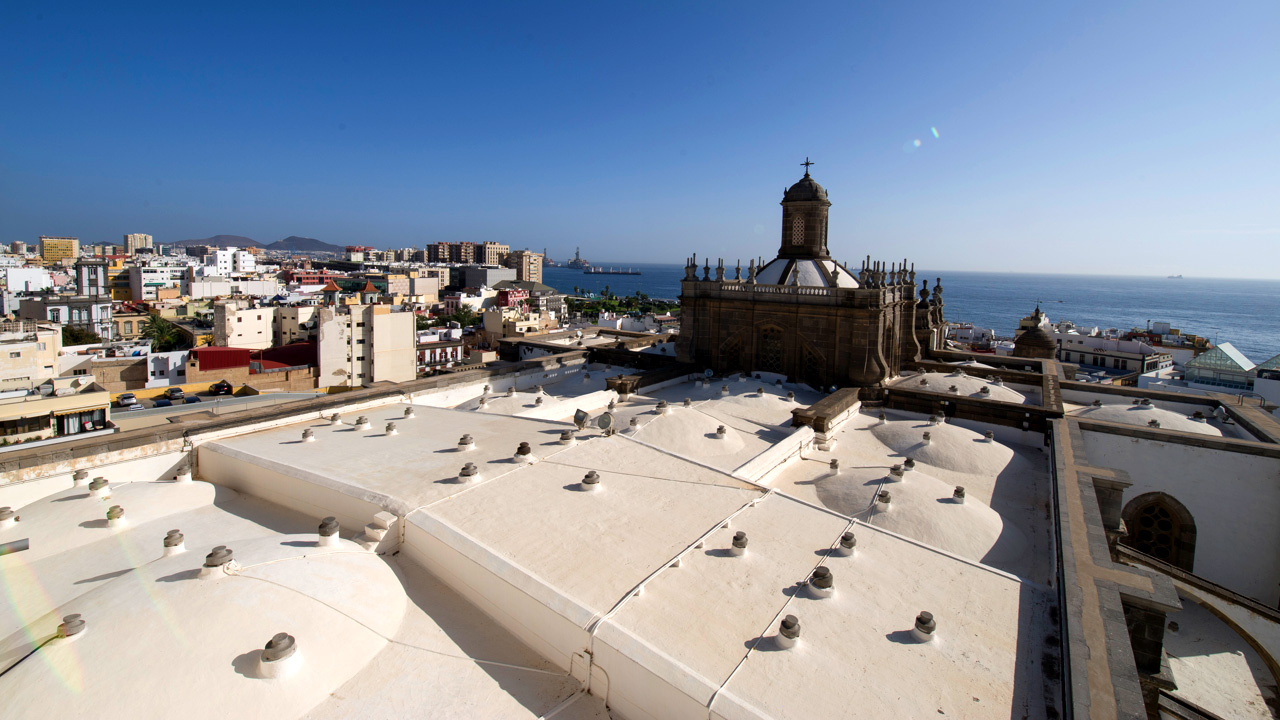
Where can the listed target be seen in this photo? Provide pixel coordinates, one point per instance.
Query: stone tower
(803, 314)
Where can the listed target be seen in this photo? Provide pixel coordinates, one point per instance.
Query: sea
(1245, 313)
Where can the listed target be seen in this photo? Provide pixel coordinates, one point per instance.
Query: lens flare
(31, 602)
(934, 130)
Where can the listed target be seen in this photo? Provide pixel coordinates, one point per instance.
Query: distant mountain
(222, 241)
(293, 242)
(303, 244)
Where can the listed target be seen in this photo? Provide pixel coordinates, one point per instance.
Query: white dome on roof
(921, 508)
(808, 272)
(197, 641)
(967, 385)
(950, 447)
(1142, 415)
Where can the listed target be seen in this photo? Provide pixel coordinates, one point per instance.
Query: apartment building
(527, 264)
(56, 249)
(362, 344)
(133, 242)
(492, 253)
(237, 325)
(28, 353)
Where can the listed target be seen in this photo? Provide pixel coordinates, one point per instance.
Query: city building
(59, 408)
(1223, 368)
(804, 315)
(492, 253)
(133, 242)
(237, 324)
(527, 264)
(157, 282)
(54, 250)
(364, 344)
(91, 313)
(229, 261)
(28, 353)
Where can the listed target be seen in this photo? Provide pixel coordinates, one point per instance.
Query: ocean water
(1245, 313)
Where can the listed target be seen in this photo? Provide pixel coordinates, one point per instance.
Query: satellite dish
(580, 419)
(605, 421)
(707, 373)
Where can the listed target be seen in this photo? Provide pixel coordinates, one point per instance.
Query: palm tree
(164, 335)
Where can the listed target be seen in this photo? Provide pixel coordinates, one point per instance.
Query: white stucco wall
(1234, 499)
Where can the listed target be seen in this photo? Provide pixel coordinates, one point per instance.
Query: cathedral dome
(1035, 343)
(807, 189)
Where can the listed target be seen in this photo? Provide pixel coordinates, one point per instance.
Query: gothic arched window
(1161, 527)
(769, 351)
(797, 230)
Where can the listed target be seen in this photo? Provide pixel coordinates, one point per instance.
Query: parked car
(222, 387)
(174, 393)
(192, 399)
(126, 399)
(161, 402)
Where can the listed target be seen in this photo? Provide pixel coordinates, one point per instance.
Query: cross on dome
(806, 165)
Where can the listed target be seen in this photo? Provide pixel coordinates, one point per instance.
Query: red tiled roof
(331, 287)
(368, 287)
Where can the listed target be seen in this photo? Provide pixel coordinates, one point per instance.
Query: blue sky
(1113, 138)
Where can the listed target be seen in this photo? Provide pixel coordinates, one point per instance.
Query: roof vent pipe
(308, 435)
(391, 429)
(115, 516)
(985, 390)
(788, 632)
(468, 474)
(925, 439)
(721, 432)
(925, 627)
(999, 382)
(882, 418)
(742, 377)
(80, 478)
(634, 426)
(511, 391)
(216, 562)
(909, 464)
(99, 488)
(7, 518)
(184, 473)
(566, 438)
(329, 532)
(1153, 423)
(613, 404)
(739, 546)
(724, 389)
(663, 408)
(484, 401)
(466, 443)
(537, 400)
(409, 413)
(935, 419)
(958, 496)
(71, 626)
(335, 419)
(590, 481)
(537, 390)
(835, 466)
(953, 390)
(280, 658)
(847, 543)
(586, 377)
(822, 583)
(896, 472)
(988, 436)
(760, 391)
(791, 396)
(924, 382)
(688, 402)
(362, 423)
(488, 389)
(884, 498)
(173, 543)
(524, 453)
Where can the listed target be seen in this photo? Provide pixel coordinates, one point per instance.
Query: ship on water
(577, 263)
(611, 271)
(547, 261)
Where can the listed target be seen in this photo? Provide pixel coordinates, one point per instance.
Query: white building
(28, 353)
(235, 324)
(146, 281)
(235, 286)
(27, 279)
(362, 344)
(230, 261)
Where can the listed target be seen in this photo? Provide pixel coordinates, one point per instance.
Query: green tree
(164, 335)
(422, 322)
(72, 335)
